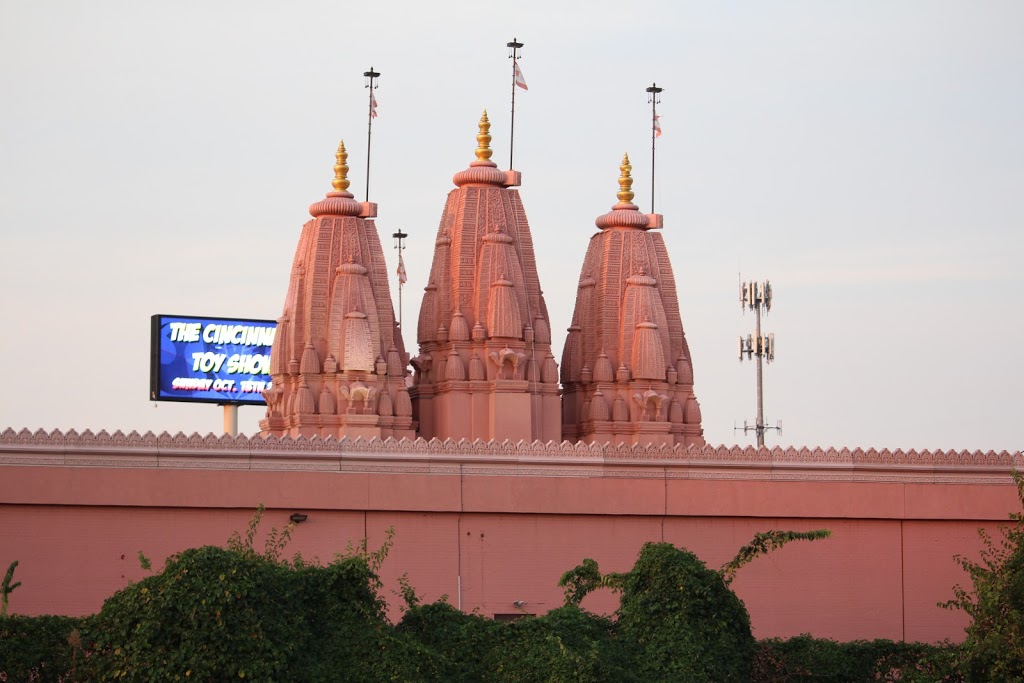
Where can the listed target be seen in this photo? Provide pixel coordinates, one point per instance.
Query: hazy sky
(866, 157)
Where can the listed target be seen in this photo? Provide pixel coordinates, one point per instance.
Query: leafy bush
(566, 644)
(217, 614)
(460, 642)
(804, 658)
(684, 621)
(37, 648)
(994, 648)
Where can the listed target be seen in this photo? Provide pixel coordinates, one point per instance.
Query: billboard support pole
(231, 419)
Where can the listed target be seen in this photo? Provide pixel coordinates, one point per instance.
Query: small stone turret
(338, 364)
(626, 349)
(485, 368)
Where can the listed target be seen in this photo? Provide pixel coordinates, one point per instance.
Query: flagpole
(654, 97)
(371, 77)
(400, 246)
(513, 47)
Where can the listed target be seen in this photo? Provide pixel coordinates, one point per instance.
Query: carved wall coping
(117, 449)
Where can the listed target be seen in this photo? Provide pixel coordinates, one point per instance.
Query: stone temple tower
(626, 371)
(485, 368)
(338, 362)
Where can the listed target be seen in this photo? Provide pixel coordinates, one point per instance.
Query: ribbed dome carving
(598, 407)
(304, 400)
(459, 330)
(603, 369)
(403, 406)
(620, 413)
(310, 362)
(692, 414)
(455, 369)
(327, 406)
(675, 412)
(476, 369)
(384, 407)
(336, 204)
(648, 356)
(684, 370)
(504, 320)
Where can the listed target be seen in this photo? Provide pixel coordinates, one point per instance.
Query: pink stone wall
(510, 525)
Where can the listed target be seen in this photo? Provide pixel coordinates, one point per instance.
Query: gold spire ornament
(483, 139)
(625, 193)
(341, 181)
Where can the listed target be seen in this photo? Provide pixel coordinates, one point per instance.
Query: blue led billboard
(210, 360)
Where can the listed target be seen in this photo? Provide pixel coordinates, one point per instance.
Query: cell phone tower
(757, 297)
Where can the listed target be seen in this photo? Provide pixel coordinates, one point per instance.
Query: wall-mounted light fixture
(298, 518)
(519, 604)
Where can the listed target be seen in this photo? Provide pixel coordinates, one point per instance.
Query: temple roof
(338, 351)
(626, 359)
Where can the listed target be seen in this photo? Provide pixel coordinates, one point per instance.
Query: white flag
(373, 105)
(520, 81)
(657, 125)
(402, 277)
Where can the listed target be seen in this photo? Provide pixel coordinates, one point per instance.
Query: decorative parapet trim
(117, 449)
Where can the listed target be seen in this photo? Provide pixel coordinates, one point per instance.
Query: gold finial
(341, 182)
(625, 193)
(483, 139)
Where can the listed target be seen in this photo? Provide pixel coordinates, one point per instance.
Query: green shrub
(566, 644)
(37, 648)
(214, 615)
(805, 658)
(994, 648)
(684, 622)
(460, 643)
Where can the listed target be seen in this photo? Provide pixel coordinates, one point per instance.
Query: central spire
(482, 171)
(483, 140)
(485, 368)
(625, 193)
(341, 182)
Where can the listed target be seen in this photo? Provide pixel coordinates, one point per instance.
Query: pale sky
(866, 157)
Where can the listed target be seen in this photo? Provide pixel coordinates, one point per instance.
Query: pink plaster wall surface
(489, 525)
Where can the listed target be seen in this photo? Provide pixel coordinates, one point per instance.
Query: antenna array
(757, 297)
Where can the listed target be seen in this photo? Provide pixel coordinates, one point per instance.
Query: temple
(495, 470)
(338, 364)
(626, 370)
(485, 369)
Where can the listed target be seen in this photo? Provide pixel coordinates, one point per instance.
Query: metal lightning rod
(371, 83)
(654, 97)
(513, 54)
(757, 296)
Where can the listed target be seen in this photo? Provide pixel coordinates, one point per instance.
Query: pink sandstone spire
(338, 363)
(626, 371)
(485, 368)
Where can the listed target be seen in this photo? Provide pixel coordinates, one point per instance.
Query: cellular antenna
(371, 83)
(517, 81)
(757, 297)
(654, 98)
